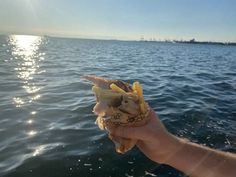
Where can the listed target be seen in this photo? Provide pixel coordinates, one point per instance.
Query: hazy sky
(122, 19)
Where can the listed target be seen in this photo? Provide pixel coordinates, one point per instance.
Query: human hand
(153, 138)
(162, 147)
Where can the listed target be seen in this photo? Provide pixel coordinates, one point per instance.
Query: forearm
(199, 161)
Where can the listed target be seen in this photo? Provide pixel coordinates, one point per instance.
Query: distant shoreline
(193, 41)
(208, 42)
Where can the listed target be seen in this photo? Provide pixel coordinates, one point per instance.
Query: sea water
(46, 122)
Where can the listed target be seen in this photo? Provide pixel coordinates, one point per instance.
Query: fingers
(126, 132)
(140, 133)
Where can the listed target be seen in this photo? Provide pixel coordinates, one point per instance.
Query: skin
(192, 159)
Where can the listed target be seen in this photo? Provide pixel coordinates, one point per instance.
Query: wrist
(168, 148)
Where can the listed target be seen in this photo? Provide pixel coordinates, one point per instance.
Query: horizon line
(141, 39)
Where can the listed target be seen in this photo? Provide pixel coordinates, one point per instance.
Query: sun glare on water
(25, 51)
(26, 59)
(25, 45)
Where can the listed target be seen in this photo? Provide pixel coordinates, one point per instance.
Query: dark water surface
(46, 125)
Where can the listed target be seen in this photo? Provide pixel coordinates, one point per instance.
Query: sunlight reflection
(36, 97)
(25, 50)
(33, 112)
(31, 133)
(25, 45)
(38, 150)
(30, 121)
(31, 89)
(18, 101)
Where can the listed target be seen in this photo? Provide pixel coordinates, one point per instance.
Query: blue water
(46, 124)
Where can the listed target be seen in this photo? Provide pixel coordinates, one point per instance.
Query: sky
(204, 20)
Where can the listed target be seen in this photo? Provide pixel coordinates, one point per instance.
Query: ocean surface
(46, 125)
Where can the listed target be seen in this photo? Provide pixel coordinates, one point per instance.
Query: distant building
(192, 40)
